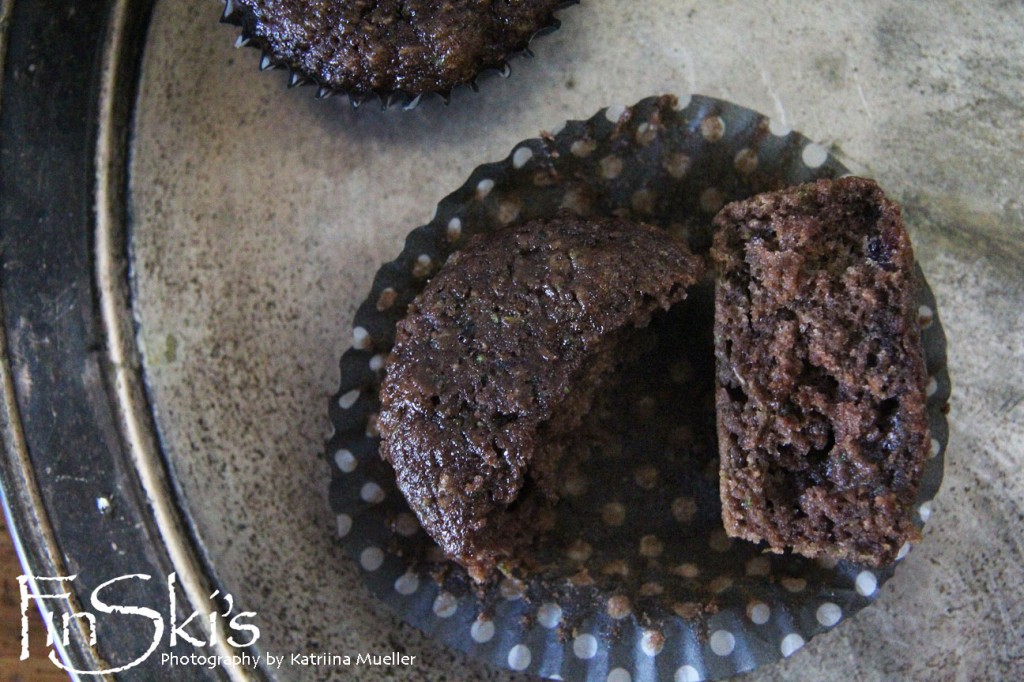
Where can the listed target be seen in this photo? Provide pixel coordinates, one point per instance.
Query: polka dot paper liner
(636, 580)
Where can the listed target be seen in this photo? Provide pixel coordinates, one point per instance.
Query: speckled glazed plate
(185, 243)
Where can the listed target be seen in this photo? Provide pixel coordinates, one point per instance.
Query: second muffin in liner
(637, 580)
(395, 52)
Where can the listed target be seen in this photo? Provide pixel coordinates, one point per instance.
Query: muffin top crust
(384, 46)
(498, 360)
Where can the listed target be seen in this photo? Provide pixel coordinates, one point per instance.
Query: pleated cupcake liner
(637, 581)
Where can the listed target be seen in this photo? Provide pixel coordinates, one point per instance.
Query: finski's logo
(132, 615)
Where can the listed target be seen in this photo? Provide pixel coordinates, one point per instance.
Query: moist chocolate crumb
(821, 398)
(384, 46)
(498, 360)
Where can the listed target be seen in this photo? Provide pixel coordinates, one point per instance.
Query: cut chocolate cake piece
(498, 360)
(821, 379)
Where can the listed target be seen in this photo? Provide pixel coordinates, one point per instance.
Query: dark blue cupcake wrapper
(672, 597)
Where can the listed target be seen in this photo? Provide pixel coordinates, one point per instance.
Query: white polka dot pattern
(345, 460)
(421, 268)
(677, 165)
(611, 167)
(519, 657)
(925, 316)
(482, 631)
(619, 607)
(615, 112)
(613, 514)
(372, 493)
(651, 546)
(360, 337)
(722, 642)
(684, 509)
(549, 615)
(720, 584)
(454, 230)
(778, 128)
(371, 558)
(828, 614)
(585, 646)
(445, 605)
(866, 583)
(652, 642)
(521, 157)
(712, 128)
(793, 584)
(814, 155)
(620, 675)
(827, 562)
(582, 148)
(759, 613)
(407, 584)
(512, 589)
(646, 133)
(484, 187)
(579, 551)
(688, 570)
(349, 399)
(745, 161)
(406, 525)
(790, 644)
(687, 673)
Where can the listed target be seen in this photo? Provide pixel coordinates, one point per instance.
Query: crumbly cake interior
(498, 360)
(821, 406)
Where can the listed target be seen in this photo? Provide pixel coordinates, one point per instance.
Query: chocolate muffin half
(498, 360)
(821, 400)
(381, 47)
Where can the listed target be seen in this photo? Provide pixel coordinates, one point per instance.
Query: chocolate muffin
(498, 360)
(380, 47)
(821, 397)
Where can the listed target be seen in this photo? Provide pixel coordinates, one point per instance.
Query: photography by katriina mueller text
(221, 636)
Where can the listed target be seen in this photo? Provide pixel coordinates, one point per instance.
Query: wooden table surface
(37, 668)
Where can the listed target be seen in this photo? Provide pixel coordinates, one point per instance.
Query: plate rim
(72, 392)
